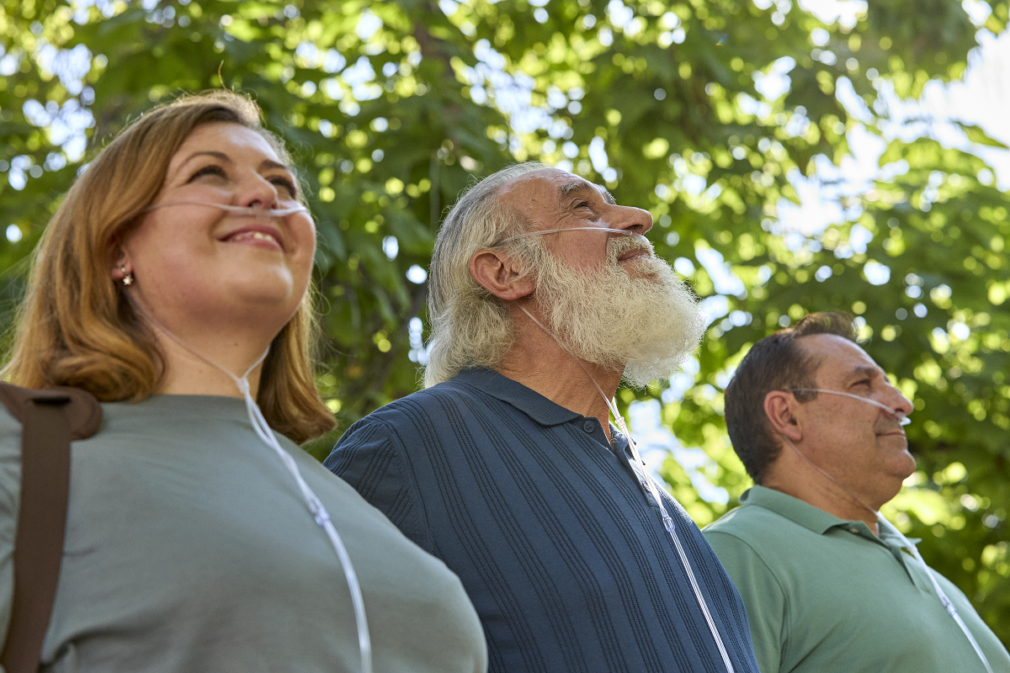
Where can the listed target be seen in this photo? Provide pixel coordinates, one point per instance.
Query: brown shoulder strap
(49, 420)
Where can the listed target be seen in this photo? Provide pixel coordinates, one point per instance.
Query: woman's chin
(269, 286)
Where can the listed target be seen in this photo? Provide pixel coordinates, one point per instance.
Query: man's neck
(822, 493)
(543, 366)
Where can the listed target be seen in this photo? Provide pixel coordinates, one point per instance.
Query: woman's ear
(494, 271)
(780, 408)
(121, 266)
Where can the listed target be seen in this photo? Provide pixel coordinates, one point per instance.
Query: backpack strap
(50, 420)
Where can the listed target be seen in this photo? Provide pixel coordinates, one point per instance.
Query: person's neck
(804, 482)
(539, 363)
(188, 374)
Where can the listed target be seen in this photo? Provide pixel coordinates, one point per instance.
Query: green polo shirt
(825, 595)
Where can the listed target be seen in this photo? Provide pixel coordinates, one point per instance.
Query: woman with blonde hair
(173, 284)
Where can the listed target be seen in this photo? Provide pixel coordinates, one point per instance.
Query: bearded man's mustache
(644, 323)
(619, 245)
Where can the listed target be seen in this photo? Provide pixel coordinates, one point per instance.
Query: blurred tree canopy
(709, 113)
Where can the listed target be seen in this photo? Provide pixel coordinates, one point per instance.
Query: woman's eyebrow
(270, 163)
(175, 170)
(266, 164)
(217, 155)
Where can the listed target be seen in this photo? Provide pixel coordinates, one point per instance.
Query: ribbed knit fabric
(561, 552)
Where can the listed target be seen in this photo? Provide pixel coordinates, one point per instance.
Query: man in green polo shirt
(829, 586)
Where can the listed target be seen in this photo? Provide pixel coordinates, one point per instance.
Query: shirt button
(588, 426)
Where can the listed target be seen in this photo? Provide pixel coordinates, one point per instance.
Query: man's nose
(629, 218)
(897, 401)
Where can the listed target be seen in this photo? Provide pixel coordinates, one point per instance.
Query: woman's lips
(258, 237)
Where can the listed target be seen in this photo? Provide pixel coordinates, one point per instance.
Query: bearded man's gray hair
(470, 326)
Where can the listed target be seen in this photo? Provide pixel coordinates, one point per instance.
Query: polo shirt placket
(563, 555)
(826, 595)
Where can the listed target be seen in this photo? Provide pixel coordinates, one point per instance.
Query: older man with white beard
(544, 293)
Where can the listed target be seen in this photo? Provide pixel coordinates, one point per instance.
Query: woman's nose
(255, 191)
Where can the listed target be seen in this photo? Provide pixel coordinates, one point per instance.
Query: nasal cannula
(903, 419)
(259, 213)
(637, 464)
(649, 486)
(604, 230)
(263, 431)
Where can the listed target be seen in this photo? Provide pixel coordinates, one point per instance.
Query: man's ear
(493, 270)
(779, 408)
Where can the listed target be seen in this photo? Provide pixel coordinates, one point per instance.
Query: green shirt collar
(802, 513)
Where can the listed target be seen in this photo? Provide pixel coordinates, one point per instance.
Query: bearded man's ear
(494, 271)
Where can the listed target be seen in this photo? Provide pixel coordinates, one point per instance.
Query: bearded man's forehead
(562, 183)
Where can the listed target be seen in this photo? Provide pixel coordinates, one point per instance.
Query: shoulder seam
(771, 571)
(393, 439)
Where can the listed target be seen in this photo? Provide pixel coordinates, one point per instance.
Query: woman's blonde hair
(77, 328)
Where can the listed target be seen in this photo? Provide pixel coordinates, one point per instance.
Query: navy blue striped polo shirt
(564, 557)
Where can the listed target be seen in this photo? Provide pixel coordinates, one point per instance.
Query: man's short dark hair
(776, 362)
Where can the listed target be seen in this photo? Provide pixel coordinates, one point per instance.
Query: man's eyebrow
(574, 188)
(866, 370)
(583, 187)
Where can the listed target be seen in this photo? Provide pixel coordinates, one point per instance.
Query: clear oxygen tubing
(947, 604)
(902, 417)
(259, 213)
(649, 486)
(606, 230)
(315, 506)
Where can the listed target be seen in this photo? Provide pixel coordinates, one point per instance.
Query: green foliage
(393, 107)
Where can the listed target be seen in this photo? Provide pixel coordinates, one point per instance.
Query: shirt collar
(794, 509)
(530, 402)
(816, 519)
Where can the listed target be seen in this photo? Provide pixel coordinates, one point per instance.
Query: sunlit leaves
(708, 113)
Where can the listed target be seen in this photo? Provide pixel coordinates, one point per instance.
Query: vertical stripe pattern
(563, 556)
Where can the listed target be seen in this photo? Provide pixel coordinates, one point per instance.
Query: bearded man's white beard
(645, 325)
